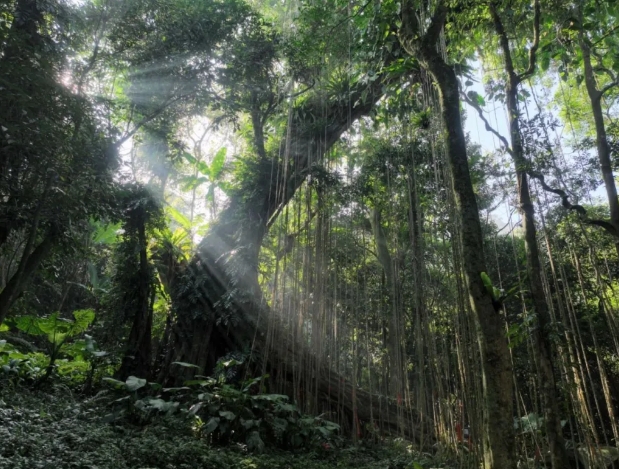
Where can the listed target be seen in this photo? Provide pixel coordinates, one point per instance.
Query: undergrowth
(54, 429)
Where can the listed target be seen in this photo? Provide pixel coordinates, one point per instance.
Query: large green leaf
(133, 383)
(106, 234)
(217, 165)
(185, 365)
(29, 325)
(204, 168)
(83, 319)
(227, 414)
(211, 425)
(114, 382)
(178, 217)
(191, 182)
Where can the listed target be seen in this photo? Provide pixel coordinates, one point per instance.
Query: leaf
(488, 284)
(211, 425)
(227, 414)
(4, 328)
(287, 407)
(280, 424)
(29, 325)
(178, 217)
(271, 397)
(184, 388)
(114, 382)
(193, 410)
(247, 424)
(83, 319)
(476, 97)
(189, 157)
(185, 365)
(163, 406)
(57, 338)
(133, 383)
(255, 443)
(106, 234)
(204, 168)
(217, 165)
(191, 182)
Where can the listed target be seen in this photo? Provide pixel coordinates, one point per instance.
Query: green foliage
(54, 429)
(16, 367)
(58, 333)
(56, 329)
(494, 292)
(224, 413)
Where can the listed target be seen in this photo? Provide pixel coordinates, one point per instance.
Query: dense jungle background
(309, 234)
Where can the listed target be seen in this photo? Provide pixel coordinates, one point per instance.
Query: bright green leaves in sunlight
(211, 174)
(56, 329)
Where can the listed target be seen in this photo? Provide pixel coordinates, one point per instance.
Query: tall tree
(421, 42)
(541, 335)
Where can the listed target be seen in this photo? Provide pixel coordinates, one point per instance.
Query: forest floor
(57, 429)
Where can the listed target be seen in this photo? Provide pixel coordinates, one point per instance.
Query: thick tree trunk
(396, 366)
(603, 148)
(218, 302)
(417, 342)
(542, 347)
(137, 359)
(19, 280)
(497, 377)
(497, 369)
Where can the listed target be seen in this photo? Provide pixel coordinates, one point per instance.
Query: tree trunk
(497, 377)
(137, 359)
(418, 341)
(542, 347)
(396, 366)
(497, 369)
(218, 302)
(603, 148)
(19, 280)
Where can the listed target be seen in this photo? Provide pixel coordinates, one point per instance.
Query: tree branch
(605, 35)
(582, 211)
(533, 50)
(431, 36)
(489, 128)
(609, 87)
(410, 33)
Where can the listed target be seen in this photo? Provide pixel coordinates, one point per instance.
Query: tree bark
(393, 343)
(603, 148)
(19, 280)
(137, 359)
(497, 377)
(541, 334)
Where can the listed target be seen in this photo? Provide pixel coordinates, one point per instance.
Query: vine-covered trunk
(499, 452)
(603, 147)
(16, 284)
(137, 359)
(421, 41)
(218, 302)
(542, 347)
(396, 362)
